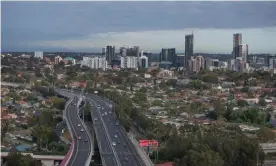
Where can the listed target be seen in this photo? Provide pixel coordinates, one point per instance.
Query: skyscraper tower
(110, 53)
(189, 49)
(237, 40)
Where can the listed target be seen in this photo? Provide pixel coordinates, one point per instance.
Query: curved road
(82, 149)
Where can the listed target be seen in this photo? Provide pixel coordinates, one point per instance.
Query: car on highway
(117, 123)
(79, 137)
(102, 114)
(99, 106)
(113, 143)
(78, 125)
(75, 103)
(105, 113)
(124, 145)
(82, 130)
(110, 112)
(119, 142)
(115, 136)
(96, 119)
(102, 108)
(126, 159)
(85, 140)
(98, 100)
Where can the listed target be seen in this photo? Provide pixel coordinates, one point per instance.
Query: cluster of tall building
(239, 61)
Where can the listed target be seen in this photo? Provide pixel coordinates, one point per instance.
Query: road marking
(69, 120)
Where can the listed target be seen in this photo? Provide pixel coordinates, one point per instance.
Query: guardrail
(69, 154)
(146, 159)
(140, 149)
(91, 145)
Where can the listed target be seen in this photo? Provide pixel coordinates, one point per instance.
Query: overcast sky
(89, 26)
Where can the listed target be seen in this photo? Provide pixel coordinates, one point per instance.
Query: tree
(265, 134)
(18, 159)
(242, 103)
(4, 128)
(58, 103)
(262, 102)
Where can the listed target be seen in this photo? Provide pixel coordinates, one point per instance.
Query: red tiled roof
(165, 164)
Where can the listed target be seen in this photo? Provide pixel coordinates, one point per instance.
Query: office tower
(243, 52)
(38, 54)
(110, 53)
(189, 49)
(144, 63)
(180, 59)
(164, 55)
(103, 51)
(123, 51)
(135, 51)
(168, 55)
(237, 40)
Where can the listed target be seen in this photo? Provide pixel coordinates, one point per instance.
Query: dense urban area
(201, 109)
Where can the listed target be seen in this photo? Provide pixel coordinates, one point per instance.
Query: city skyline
(30, 26)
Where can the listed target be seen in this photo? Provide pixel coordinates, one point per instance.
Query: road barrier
(69, 153)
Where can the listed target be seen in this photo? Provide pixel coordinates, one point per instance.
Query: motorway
(124, 149)
(82, 149)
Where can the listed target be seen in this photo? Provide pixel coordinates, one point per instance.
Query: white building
(243, 48)
(38, 54)
(129, 62)
(94, 62)
(144, 62)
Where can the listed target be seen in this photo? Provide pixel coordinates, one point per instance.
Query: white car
(113, 143)
(82, 130)
(102, 114)
(78, 125)
(110, 112)
(96, 119)
(105, 113)
(115, 136)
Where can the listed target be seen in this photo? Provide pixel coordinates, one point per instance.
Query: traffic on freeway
(82, 144)
(124, 150)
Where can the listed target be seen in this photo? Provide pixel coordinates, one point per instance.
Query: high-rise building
(168, 55)
(129, 62)
(243, 52)
(133, 52)
(110, 53)
(200, 63)
(58, 59)
(94, 62)
(38, 54)
(237, 40)
(123, 51)
(144, 63)
(189, 49)
(103, 51)
(271, 61)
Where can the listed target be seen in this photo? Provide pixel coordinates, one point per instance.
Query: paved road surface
(82, 149)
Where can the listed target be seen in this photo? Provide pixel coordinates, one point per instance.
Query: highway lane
(82, 149)
(121, 151)
(123, 145)
(104, 144)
